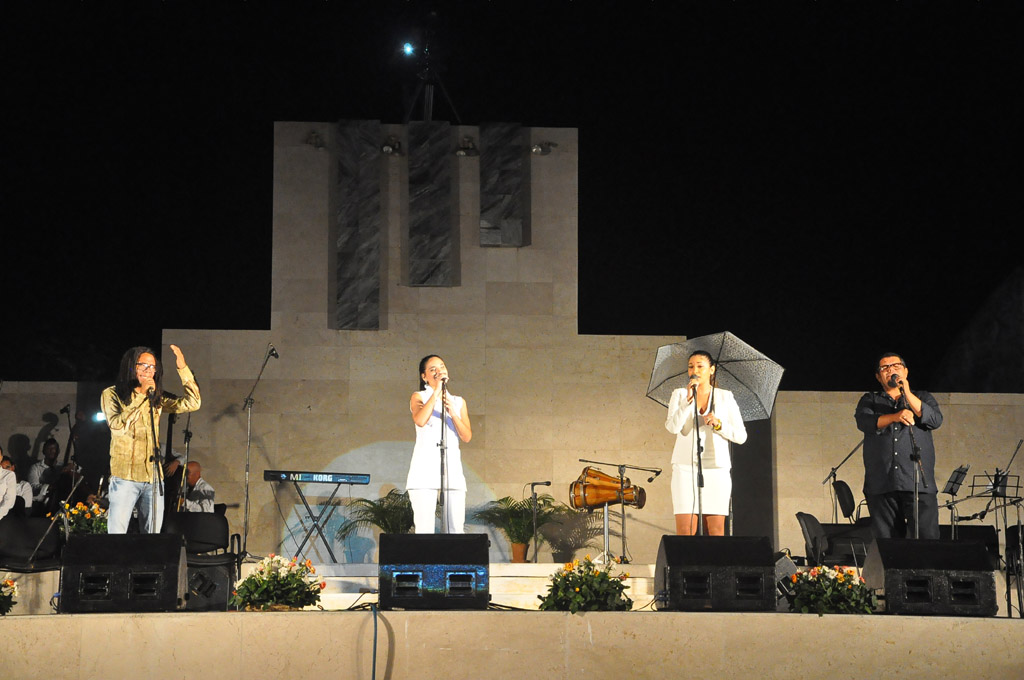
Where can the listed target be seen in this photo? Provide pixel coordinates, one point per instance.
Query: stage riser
(499, 645)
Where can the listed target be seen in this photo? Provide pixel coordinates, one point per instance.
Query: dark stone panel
(504, 185)
(433, 226)
(356, 207)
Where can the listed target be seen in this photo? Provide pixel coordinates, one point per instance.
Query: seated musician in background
(8, 491)
(42, 476)
(22, 488)
(198, 492)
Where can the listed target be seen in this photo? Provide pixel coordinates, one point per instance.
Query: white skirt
(715, 494)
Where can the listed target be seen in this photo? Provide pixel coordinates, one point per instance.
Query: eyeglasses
(146, 367)
(891, 367)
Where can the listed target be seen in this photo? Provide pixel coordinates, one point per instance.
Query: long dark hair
(127, 381)
(423, 367)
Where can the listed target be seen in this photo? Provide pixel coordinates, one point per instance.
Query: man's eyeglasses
(146, 367)
(890, 367)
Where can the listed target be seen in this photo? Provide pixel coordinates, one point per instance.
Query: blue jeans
(124, 496)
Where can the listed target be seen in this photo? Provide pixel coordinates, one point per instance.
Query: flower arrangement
(828, 590)
(8, 591)
(278, 582)
(82, 518)
(582, 586)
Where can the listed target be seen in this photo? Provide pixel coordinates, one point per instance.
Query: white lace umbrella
(751, 376)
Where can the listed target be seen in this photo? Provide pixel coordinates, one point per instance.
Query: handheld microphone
(272, 351)
(894, 381)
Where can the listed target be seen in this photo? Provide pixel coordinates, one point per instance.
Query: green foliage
(392, 514)
(515, 518)
(581, 586)
(824, 590)
(278, 581)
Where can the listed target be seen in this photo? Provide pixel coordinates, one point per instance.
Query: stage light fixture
(542, 148)
(391, 146)
(408, 49)
(98, 417)
(467, 148)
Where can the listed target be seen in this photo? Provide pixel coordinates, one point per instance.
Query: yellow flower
(577, 589)
(88, 516)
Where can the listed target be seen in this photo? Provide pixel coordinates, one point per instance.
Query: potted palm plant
(392, 514)
(515, 519)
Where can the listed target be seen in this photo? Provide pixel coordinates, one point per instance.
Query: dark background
(825, 180)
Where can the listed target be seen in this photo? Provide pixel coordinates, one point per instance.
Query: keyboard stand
(319, 520)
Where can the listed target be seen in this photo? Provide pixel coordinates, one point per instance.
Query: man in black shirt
(893, 420)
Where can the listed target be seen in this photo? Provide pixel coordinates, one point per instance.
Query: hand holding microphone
(691, 387)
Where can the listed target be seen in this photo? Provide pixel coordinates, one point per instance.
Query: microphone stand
(179, 503)
(918, 466)
(157, 485)
(443, 447)
(53, 521)
(832, 477)
(247, 405)
(533, 495)
(700, 454)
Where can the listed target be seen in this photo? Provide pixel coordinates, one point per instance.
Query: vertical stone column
(356, 227)
(433, 240)
(504, 185)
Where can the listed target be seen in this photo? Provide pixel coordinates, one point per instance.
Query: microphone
(272, 351)
(652, 477)
(894, 381)
(533, 484)
(66, 409)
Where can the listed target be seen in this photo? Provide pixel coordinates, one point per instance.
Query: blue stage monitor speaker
(715, 573)
(933, 576)
(434, 571)
(123, 573)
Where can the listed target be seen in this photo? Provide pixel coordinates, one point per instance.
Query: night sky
(826, 180)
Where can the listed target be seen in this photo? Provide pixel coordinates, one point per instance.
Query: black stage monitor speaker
(123, 573)
(715, 573)
(434, 571)
(942, 577)
(209, 587)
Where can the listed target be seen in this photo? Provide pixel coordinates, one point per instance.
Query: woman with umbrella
(706, 455)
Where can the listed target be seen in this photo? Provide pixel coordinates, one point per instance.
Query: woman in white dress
(720, 423)
(424, 480)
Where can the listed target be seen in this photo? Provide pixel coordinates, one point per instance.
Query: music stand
(956, 479)
(952, 486)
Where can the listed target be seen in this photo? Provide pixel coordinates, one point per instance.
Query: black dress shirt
(887, 463)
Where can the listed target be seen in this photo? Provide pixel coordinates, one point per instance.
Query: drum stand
(606, 556)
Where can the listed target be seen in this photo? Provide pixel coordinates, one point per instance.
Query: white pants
(125, 496)
(424, 510)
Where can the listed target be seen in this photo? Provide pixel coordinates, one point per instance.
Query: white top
(425, 468)
(8, 491)
(200, 497)
(716, 444)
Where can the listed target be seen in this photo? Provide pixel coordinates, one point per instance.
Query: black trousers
(892, 514)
